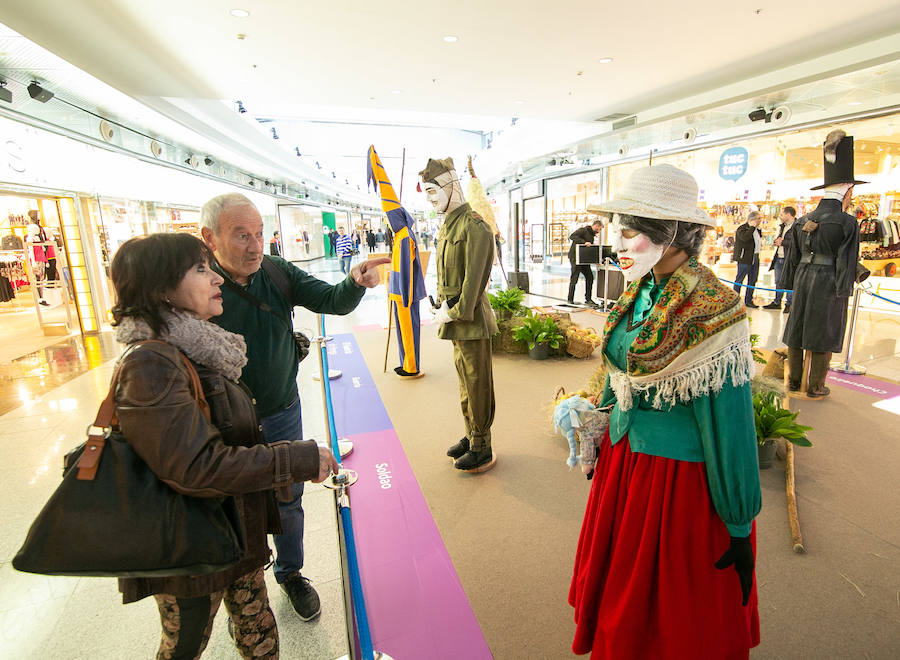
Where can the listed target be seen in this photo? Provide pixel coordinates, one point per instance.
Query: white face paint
(437, 196)
(637, 253)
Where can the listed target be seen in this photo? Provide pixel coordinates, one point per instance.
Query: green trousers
(818, 368)
(472, 358)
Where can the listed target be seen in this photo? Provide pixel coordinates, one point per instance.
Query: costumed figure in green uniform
(820, 267)
(465, 252)
(665, 560)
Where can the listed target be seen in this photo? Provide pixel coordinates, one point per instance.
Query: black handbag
(112, 517)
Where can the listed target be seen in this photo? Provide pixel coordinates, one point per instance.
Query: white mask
(637, 255)
(437, 196)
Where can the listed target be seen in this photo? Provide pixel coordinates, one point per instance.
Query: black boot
(459, 448)
(474, 459)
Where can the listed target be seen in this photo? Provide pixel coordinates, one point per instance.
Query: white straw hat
(662, 192)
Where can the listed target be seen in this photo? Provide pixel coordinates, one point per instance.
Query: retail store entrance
(36, 287)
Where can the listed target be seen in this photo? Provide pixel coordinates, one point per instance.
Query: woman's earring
(168, 302)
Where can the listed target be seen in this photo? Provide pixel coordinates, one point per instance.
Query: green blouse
(717, 429)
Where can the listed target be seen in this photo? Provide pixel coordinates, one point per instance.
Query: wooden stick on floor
(789, 484)
(387, 346)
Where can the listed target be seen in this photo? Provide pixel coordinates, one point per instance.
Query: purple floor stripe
(416, 605)
(871, 386)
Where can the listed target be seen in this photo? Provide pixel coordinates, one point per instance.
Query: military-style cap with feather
(838, 159)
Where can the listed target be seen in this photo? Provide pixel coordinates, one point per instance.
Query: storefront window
(301, 231)
(567, 200)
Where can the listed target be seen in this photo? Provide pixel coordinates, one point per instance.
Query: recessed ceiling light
(451, 39)
(240, 13)
(605, 60)
(855, 103)
(396, 91)
(519, 102)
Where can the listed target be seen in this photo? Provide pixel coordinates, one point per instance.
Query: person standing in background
(746, 255)
(275, 245)
(332, 242)
(344, 246)
(582, 236)
(306, 240)
(370, 240)
(782, 247)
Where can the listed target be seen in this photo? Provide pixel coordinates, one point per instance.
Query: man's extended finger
(375, 262)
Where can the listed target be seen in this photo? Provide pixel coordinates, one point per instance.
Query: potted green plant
(540, 333)
(507, 303)
(773, 421)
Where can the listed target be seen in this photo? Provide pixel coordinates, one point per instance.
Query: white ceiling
(387, 62)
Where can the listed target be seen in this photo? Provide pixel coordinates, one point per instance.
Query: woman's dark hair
(688, 236)
(146, 268)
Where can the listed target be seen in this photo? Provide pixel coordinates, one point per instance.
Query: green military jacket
(465, 254)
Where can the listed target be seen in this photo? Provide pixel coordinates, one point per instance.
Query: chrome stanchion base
(851, 369)
(376, 655)
(343, 479)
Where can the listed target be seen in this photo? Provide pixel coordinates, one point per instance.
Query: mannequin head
(441, 185)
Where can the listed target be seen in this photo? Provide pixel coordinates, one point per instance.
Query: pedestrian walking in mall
(582, 236)
(166, 290)
(275, 245)
(344, 247)
(782, 246)
(332, 242)
(259, 295)
(747, 241)
(664, 566)
(370, 240)
(821, 269)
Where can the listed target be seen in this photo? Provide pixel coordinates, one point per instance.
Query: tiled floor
(48, 397)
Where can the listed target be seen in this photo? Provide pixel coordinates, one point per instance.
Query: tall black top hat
(838, 163)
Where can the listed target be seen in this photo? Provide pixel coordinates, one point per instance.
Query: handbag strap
(98, 432)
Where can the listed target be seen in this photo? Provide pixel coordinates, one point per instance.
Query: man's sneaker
(303, 597)
(787, 308)
(751, 305)
(591, 304)
(772, 305)
(458, 449)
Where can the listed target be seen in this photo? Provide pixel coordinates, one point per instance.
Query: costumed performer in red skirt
(665, 561)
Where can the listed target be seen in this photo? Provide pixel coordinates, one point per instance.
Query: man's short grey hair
(753, 215)
(209, 214)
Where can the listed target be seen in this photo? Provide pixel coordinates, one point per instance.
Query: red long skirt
(644, 584)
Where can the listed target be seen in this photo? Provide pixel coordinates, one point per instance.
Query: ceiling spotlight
(297, 151)
(451, 39)
(38, 93)
(333, 175)
(240, 13)
(207, 161)
(240, 107)
(274, 134)
(5, 94)
(396, 91)
(318, 166)
(266, 183)
(605, 60)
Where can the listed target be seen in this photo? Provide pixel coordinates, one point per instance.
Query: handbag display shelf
(113, 517)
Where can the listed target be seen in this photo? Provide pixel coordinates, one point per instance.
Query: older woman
(677, 485)
(166, 290)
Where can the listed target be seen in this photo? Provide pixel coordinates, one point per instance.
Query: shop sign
(533, 189)
(733, 163)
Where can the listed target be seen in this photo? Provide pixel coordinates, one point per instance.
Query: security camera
(781, 115)
(689, 135)
(156, 148)
(757, 115)
(623, 150)
(207, 161)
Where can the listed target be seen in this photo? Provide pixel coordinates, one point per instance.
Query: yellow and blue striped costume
(406, 284)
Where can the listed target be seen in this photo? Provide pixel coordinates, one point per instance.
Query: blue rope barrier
(357, 598)
(875, 295)
(760, 288)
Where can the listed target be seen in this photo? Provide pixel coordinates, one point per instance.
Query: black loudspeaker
(616, 283)
(519, 280)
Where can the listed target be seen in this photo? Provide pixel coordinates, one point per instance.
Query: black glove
(740, 554)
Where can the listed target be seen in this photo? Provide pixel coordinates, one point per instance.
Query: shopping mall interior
(122, 120)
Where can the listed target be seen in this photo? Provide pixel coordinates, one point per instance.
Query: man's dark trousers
(588, 273)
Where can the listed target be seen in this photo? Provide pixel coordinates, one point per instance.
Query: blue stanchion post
(357, 598)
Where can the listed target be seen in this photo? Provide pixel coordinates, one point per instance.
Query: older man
(256, 308)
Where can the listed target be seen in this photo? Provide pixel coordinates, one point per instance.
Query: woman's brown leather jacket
(161, 419)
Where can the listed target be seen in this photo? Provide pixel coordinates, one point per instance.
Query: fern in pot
(540, 333)
(507, 303)
(773, 421)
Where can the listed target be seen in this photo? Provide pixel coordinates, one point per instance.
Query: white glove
(441, 314)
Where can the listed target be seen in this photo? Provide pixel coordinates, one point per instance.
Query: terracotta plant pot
(541, 351)
(766, 452)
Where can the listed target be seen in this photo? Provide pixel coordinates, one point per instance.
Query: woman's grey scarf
(202, 341)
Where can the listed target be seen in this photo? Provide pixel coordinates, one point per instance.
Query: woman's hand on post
(327, 465)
